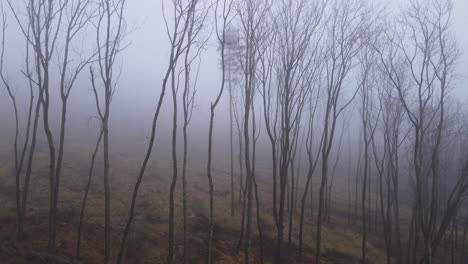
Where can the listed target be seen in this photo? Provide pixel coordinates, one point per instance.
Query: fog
(142, 65)
(342, 156)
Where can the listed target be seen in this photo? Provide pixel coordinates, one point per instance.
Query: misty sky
(143, 64)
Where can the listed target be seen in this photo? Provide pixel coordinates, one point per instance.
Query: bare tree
(420, 65)
(271, 113)
(43, 29)
(196, 25)
(255, 136)
(195, 17)
(335, 166)
(238, 101)
(252, 23)
(44, 22)
(313, 156)
(111, 30)
(174, 90)
(177, 37)
(367, 82)
(347, 27)
(85, 197)
(252, 189)
(296, 25)
(296, 132)
(221, 27)
(18, 151)
(77, 15)
(380, 163)
(242, 188)
(232, 68)
(357, 177)
(387, 163)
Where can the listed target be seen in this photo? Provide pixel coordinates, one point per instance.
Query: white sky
(144, 62)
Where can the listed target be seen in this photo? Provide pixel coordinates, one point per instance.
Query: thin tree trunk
(171, 246)
(231, 142)
(364, 213)
(106, 190)
(259, 223)
(18, 159)
(184, 191)
(31, 153)
(222, 42)
(320, 210)
(254, 182)
(85, 197)
(174, 55)
(291, 206)
(242, 230)
(210, 183)
(52, 178)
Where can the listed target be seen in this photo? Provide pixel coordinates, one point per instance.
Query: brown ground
(147, 242)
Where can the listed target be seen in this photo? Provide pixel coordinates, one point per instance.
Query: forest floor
(147, 242)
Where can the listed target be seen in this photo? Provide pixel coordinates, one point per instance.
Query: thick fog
(142, 65)
(339, 89)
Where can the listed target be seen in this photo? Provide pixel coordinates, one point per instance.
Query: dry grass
(148, 239)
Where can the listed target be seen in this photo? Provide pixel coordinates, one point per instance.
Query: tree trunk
(85, 197)
(171, 249)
